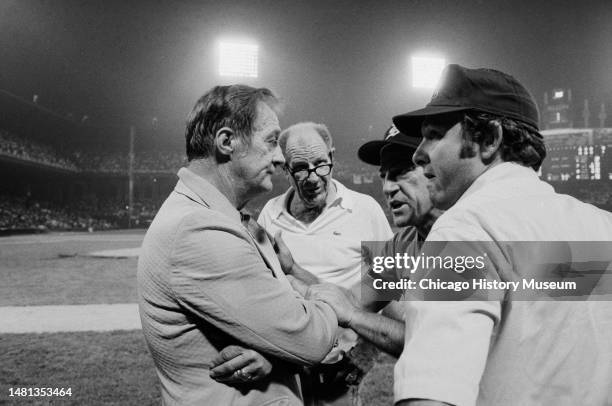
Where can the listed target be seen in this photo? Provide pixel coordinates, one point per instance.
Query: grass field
(101, 368)
(110, 368)
(55, 269)
(107, 368)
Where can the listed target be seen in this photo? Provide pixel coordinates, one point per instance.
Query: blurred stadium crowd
(30, 150)
(102, 211)
(87, 161)
(27, 213)
(144, 161)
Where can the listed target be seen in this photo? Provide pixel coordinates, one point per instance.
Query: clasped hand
(238, 365)
(341, 300)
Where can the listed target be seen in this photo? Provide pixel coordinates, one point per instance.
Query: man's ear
(489, 149)
(225, 143)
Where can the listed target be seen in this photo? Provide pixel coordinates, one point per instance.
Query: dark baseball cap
(483, 90)
(370, 151)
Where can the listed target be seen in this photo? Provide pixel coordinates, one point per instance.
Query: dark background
(343, 63)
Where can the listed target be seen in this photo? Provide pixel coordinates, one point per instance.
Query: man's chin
(441, 203)
(266, 186)
(439, 199)
(401, 221)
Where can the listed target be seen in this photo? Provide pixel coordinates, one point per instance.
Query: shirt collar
(200, 190)
(343, 199)
(497, 173)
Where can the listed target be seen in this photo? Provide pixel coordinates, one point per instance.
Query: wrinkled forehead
(306, 146)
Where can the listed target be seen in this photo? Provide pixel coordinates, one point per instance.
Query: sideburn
(468, 149)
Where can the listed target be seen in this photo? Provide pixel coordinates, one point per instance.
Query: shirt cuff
(439, 388)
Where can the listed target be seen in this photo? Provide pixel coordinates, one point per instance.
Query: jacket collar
(201, 191)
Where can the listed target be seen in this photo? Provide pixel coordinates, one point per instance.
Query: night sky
(343, 63)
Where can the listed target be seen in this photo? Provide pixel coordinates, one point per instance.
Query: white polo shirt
(511, 353)
(330, 246)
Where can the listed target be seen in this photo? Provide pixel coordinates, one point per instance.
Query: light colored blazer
(204, 283)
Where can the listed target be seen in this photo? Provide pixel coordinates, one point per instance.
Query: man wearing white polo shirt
(323, 222)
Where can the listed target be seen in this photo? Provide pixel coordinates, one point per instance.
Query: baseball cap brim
(410, 123)
(370, 151)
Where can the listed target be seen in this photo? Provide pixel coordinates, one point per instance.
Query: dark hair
(521, 142)
(232, 106)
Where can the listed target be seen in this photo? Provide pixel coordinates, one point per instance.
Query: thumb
(278, 239)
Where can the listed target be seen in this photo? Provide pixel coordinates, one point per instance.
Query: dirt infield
(74, 287)
(52, 319)
(59, 269)
(68, 282)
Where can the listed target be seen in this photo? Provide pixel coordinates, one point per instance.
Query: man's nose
(389, 187)
(312, 176)
(278, 159)
(420, 157)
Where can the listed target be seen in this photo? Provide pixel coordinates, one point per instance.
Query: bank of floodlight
(426, 71)
(238, 59)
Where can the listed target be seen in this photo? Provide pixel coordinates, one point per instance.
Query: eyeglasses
(302, 174)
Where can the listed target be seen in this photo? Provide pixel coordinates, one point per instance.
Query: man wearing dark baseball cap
(480, 151)
(404, 185)
(405, 190)
(407, 197)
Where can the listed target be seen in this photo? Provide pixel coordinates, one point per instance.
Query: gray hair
(321, 129)
(232, 106)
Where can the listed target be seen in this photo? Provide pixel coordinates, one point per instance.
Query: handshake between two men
(238, 365)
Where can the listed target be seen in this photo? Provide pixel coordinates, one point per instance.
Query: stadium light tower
(426, 71)
(238, 58)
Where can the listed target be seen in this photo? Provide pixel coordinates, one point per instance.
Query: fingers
(231, 359)
(274, 241)
(278, 236)
(283, 253)
(279, 242)
(228, 353)
(240, 365)
(239, 376)
(338, 299)
(325, 290)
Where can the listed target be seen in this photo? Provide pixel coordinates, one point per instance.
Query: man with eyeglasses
(322, 223)
(405, 190)
(406, 194)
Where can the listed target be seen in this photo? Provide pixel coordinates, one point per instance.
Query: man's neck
(424, 227)
(221, 178)
(308, 214)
